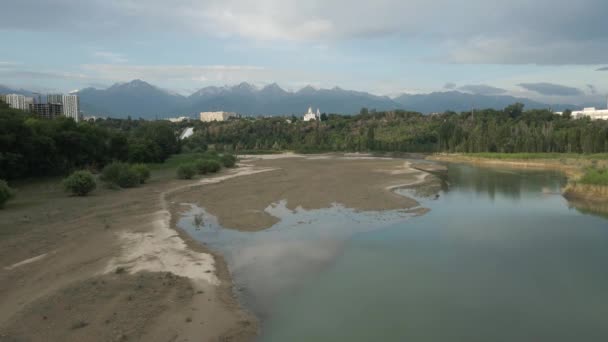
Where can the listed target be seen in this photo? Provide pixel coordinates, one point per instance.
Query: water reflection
(506, 182)
(272, 263)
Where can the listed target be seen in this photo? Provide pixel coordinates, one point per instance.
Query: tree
(80, 183)
(515, 110)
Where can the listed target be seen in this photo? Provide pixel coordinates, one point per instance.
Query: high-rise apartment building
(70, 104)
(17, 101)
(47, 110)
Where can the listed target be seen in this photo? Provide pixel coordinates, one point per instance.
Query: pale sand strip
(27, 261)
(162, 250)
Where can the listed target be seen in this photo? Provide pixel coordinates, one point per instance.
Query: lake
(500, 257)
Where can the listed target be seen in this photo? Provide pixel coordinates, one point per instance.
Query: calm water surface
(500, 257)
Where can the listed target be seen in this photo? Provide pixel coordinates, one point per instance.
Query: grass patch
(252, 152)
(597, 156)
(176, 160)
(595, 177)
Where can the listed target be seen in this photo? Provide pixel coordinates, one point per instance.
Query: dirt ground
(55, 284)
(311, 182)
(111, 266)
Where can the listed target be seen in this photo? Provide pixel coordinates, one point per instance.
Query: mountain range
(141, 99)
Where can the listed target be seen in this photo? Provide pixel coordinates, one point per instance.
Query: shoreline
(573, 169)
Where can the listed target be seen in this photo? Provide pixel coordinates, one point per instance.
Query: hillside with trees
(509, 130)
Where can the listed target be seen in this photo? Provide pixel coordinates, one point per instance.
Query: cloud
(482, 89)
(8, 64)
(551, 89)
(111, 57)
(52, 75)
(172, 73)
(449, 85)
(602, 69)
(497, 31)
(592, 89)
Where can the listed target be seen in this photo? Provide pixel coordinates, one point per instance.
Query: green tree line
(32, 147)
(510, 130)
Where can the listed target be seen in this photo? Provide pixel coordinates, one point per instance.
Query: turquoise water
(500, 257)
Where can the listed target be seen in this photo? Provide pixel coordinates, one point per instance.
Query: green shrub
(595, 177)
(120, 174)
(128, 178)
(142, 171)
(186, 171)
(6, 193)
(201, 166)
(213, 166)
(211, 155)
(80, 183)
(204, 166)
(228, 160)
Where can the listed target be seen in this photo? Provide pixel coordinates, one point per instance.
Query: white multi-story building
(17, 101)
(71, 107)
(70, 104)
(591, 112)
(312, 116)
(217, 116)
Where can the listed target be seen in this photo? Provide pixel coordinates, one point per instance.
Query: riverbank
(112, 266)
(572, 166)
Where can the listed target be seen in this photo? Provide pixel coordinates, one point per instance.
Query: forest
(510, 130)
(32, 147)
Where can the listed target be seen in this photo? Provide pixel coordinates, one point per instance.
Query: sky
(554, 51)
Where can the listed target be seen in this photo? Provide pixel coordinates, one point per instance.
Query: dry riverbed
(112, 267)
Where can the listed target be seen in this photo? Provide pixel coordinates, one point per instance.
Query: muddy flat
(311, 182)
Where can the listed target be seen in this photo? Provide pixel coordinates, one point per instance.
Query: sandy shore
(111, 266)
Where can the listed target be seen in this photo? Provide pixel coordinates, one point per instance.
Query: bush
(595, 177)
(128, 178)
(142, 171)
(213, 166)
(80, 183)
(228, 160)
(201, 166)
(120, 174)
(186, 171)
(6, 193)
(204, 166)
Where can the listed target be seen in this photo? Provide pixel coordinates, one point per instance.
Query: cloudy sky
(551, 50)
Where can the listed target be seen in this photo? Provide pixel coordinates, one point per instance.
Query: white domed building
(312, 116)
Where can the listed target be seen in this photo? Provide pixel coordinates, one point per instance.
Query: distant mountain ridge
(460, 102)
(7, 90)
(141, 99)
